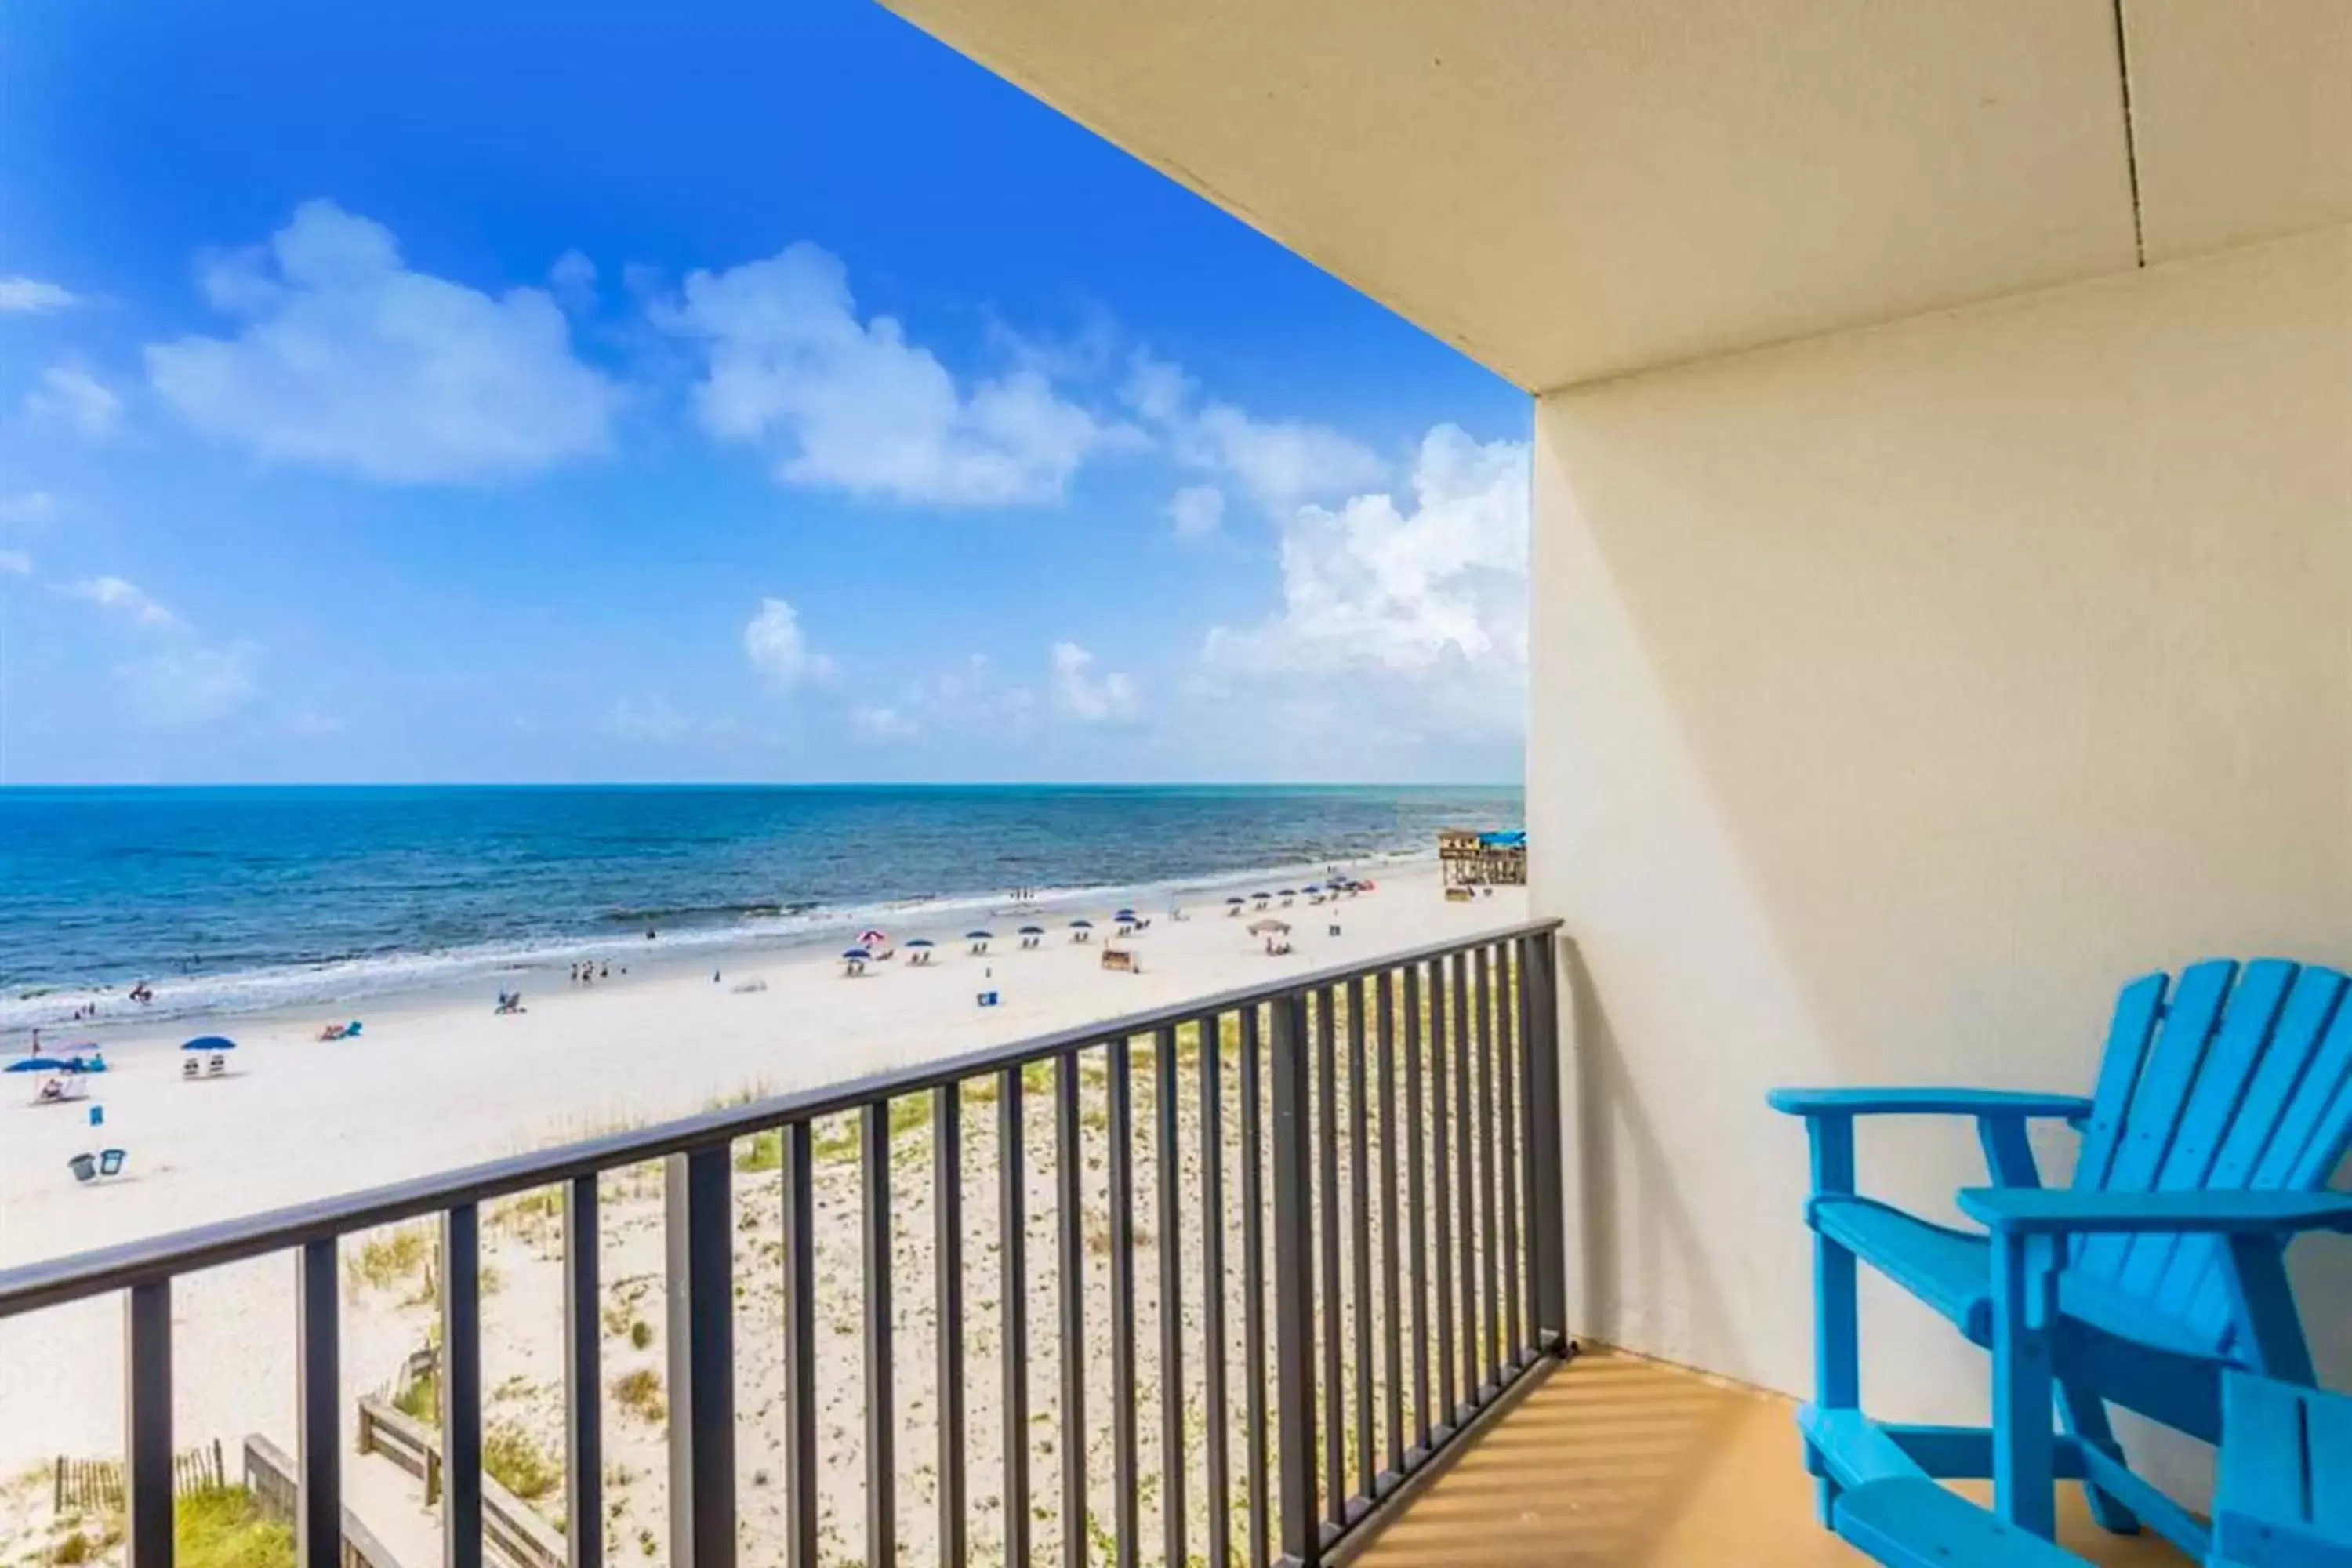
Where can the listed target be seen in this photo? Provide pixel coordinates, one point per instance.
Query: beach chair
(2221, 1111)
(192, 1069)
(215, 1065)
(2284, 1498)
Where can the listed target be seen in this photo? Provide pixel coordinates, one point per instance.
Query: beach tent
(59, 1079)
(214, 1049)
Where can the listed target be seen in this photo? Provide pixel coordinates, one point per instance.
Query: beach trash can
(84, 1167)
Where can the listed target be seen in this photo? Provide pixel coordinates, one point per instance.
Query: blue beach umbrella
(855, 952)
(1082, 925)
(210, 1043)
(1236, 898)
(1032, 931)
(38, 1064)
(921, 942)
(1124, 915)
(1289, 892)
(979, 936)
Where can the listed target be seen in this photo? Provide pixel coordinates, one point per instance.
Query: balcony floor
(1616, 1460)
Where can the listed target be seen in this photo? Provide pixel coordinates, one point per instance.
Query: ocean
(225, 900)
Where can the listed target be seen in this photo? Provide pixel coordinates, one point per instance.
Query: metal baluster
(319, 1506)
(700, 1240)
(1012, 1283)
(1457, 993)
(583, 1405)
(1216, 1473)
(1546, 1196)
(1441, 1143)
(1125, 1477)
(1417, 1210)
(1294, 1286)
(461, 1387)
(1254, 1411)
(147, 1424)
(1392, 1341)
(1327, 1241)
(1483, 999)
(947, 1217)
(1066, 1176)
(881, 1401)
(1171, 1299)
(1360, 1236)
(800, 1346)
(1512, 1011)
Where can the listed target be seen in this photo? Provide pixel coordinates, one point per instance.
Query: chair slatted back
(2242, 1080)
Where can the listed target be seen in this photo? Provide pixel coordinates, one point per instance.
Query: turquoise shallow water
(229, 898)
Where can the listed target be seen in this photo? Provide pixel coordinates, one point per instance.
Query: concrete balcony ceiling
(1569, 190)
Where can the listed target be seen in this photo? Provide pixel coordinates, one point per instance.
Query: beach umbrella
(1261, 895)
(980, 936)
(1312, 888)
(1124, 915)
(872, 938)
(1268, 927)
(210, 1043)
(1032, 931)
(921, 942)
(1082, 925)
(1289, 892)
(1236, 901)
(38, 1064)
(855, 952)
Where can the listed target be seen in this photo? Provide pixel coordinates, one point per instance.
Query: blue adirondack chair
(2285, 1499)
(2223, 1106)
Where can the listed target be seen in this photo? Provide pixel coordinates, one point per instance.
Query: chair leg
(1837, 1356)
(2024, 1446)
(2086, 1415)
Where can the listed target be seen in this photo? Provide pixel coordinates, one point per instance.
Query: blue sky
(705, 391)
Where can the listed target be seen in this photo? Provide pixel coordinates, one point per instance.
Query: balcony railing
(1389, 1246)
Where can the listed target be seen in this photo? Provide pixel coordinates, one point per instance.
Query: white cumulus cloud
(774, 642)
(35, 296)
(1278, 463)
(1197, 510)
(1085, 696)
(124, 598)
(173, 675)
(190, 683)
(883, 723)
(345, 358)
(31, 506)
(853, 405)
(1399, 614)
(70, 396)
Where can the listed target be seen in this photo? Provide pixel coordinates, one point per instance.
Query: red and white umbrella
(872, 939)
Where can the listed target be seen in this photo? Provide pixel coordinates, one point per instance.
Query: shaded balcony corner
(1614, 1459)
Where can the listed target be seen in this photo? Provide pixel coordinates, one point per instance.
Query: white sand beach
(441, 1082)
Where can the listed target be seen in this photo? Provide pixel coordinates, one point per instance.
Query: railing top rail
(57, 1281)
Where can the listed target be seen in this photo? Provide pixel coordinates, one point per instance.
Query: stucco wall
(1897, 695)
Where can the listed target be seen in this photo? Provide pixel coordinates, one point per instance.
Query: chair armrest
(1927, 1102)
(2040, 1211)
